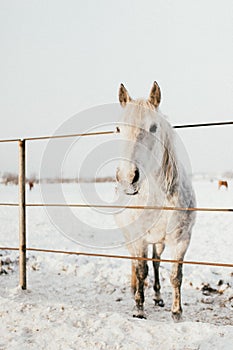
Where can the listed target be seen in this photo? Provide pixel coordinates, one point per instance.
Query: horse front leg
(179, 250)
(157, 251)
(176, 281)
(141, 269)
(133, 278)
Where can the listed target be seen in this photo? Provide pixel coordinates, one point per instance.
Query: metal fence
(23, 206)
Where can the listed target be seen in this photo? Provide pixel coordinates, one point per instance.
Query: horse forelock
(142, 103)
(137, 111)
(139, 114)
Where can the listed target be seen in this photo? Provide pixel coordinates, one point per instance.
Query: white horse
(150, 173)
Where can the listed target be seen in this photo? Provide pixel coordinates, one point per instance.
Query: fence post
(22, 217)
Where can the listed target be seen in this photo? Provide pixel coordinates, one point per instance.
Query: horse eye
(153, 128)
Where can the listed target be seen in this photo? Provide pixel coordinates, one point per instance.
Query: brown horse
(31, 185)
(222, 183)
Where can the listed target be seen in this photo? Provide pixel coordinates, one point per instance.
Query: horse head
(146, 142)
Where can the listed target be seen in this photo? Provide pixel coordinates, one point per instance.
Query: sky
(62, 57)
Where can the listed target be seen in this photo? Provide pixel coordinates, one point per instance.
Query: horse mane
(169, 168)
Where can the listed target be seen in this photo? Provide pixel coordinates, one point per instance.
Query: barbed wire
(127, 257)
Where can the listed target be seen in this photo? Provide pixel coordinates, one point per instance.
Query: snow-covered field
(75, 302)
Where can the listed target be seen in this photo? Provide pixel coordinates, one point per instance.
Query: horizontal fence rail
(127, 257)
(9, 140)
(46, 137)
(103, 206)
(97, 133)
(202, 125)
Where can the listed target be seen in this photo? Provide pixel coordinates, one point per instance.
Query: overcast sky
(60, 57)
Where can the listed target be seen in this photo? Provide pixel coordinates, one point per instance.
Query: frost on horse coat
(150, 173)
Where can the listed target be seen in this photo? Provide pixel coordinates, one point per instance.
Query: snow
(78, 302)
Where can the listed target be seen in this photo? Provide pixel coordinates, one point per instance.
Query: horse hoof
(159, 302)
(177, 316)
(141, 316)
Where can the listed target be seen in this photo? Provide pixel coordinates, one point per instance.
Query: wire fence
(202, 125)
(109, 132)
(126, 257)
(23, 205)
(110, 206)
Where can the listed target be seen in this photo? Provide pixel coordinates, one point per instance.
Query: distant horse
(222, 183)
(150, 173)
(31, 185)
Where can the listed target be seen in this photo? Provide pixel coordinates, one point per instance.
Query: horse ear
(155, 95)
(124, 97)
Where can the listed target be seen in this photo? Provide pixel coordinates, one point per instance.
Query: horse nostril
(136, 176)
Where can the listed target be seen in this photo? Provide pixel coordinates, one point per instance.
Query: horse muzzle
(131, 193)
(129, 190)
(129, 184)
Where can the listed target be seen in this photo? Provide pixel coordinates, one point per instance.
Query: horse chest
(157, 232)
(150, 225)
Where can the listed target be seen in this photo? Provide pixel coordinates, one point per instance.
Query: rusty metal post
(22, 217)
